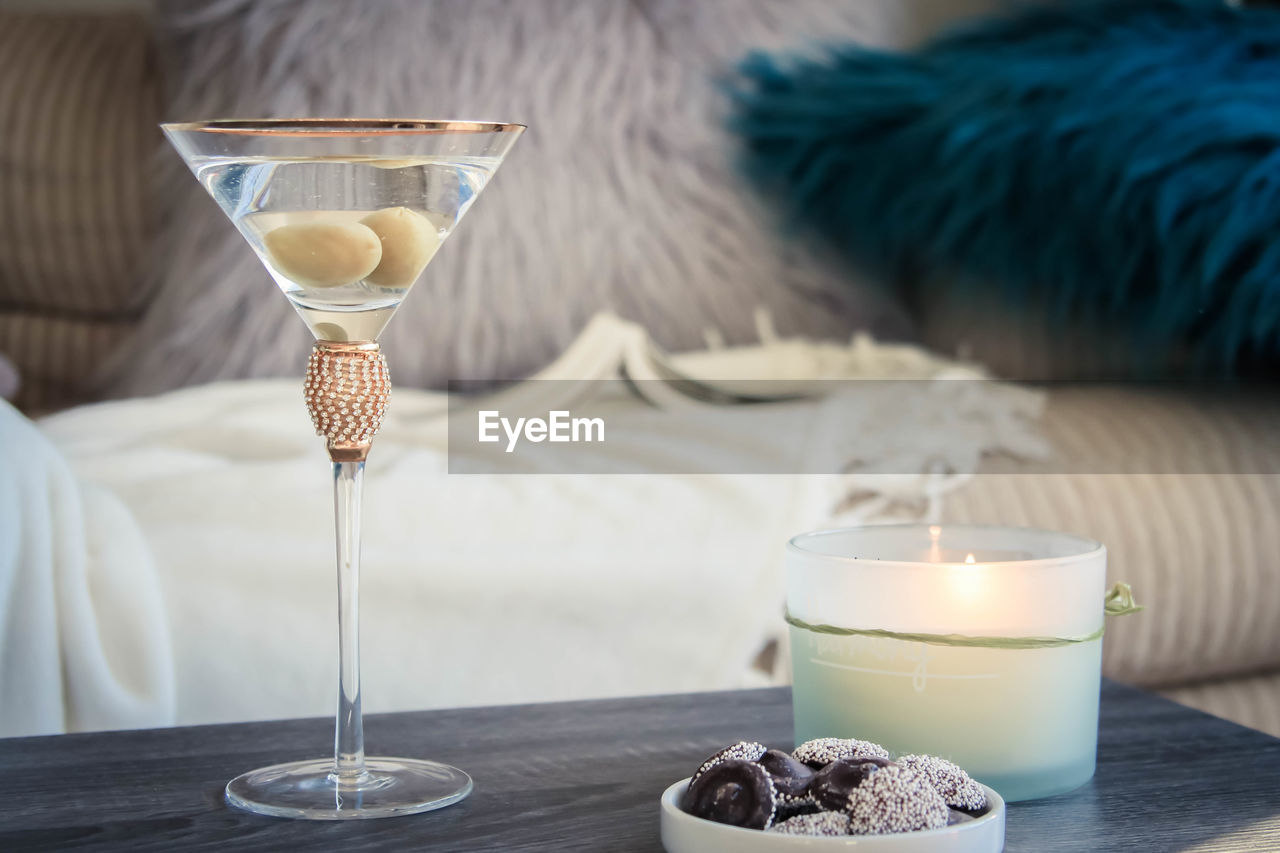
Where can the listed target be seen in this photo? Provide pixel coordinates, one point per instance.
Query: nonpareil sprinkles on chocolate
(745, 750)
(818, 823)
(820, 752)
(956, 787)
(895, 799)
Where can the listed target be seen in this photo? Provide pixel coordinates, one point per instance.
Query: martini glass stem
(348, 740)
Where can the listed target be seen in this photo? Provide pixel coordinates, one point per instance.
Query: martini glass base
(309, 789)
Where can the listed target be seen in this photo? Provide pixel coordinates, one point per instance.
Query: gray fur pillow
(622, 194)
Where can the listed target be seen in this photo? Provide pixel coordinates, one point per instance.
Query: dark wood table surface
(587, 775)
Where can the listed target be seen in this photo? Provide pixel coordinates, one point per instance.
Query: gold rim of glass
(341, 126)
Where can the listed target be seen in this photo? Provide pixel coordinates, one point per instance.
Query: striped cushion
(79, 101)
(1199, 549)
(52, 354)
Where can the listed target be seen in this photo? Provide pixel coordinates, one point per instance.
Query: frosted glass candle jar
(979, 644)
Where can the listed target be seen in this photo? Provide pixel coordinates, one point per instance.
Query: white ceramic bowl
(684, 833)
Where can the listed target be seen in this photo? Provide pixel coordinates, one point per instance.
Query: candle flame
(968, 582)
(935, 531)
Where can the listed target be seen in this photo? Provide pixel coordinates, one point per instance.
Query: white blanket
(476, 589)
(84, 642)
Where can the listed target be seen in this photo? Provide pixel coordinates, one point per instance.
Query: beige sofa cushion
(78, 106)
(1200, 549)
(1253, 702)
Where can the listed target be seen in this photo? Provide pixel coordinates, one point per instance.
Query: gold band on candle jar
(1118, 602)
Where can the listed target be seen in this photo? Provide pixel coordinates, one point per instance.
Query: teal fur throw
(1115, 163)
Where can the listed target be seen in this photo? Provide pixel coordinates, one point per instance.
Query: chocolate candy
(820, 752)
(958, 790)
(790, 776)
(895, 799)
(856, 790)
(733, 791)
(745, 750)
(818, 823)
(832, 784)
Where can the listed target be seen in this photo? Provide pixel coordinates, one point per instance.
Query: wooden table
(587, 775)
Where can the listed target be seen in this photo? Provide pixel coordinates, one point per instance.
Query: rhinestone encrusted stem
(346, 389)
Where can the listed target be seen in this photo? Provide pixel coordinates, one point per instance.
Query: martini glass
(345, 214)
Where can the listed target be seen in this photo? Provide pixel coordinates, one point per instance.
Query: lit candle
(979, 644)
